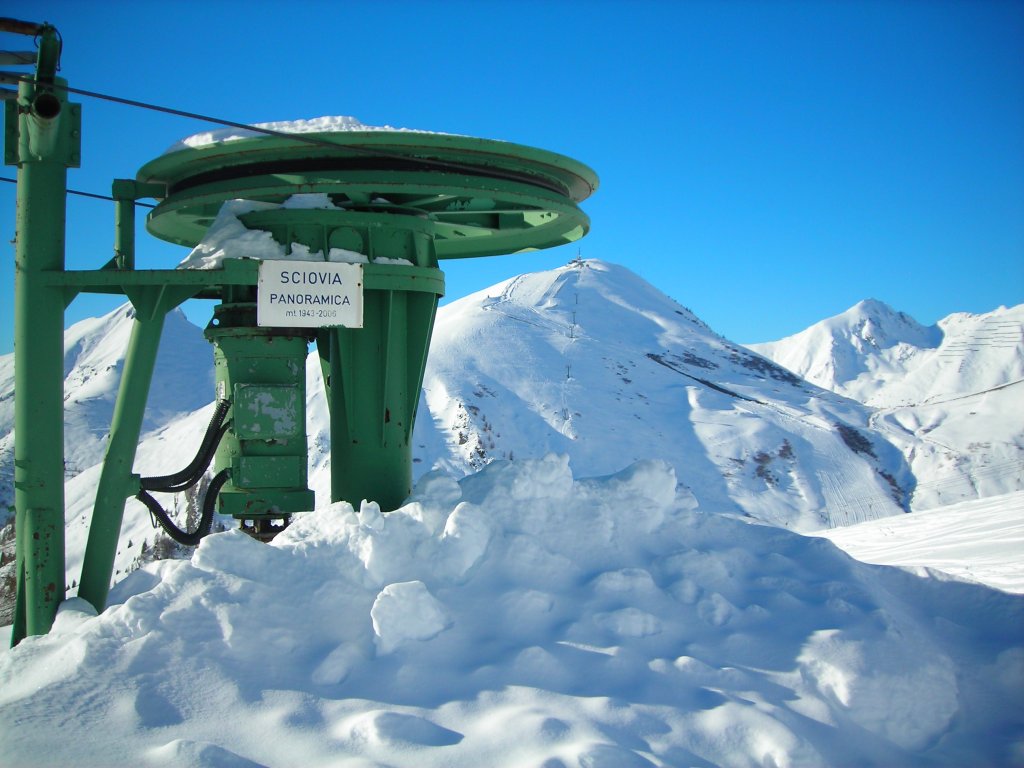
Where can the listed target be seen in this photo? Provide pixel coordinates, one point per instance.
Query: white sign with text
(310, 294)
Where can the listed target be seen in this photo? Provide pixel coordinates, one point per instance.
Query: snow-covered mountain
(591, 361)
(950, 396)
(884, 358)
(93, 361)
(587, 361)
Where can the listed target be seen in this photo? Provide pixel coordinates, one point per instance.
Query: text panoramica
(307, 295)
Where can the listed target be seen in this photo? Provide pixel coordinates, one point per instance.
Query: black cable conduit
(188, 477)
(188, 538)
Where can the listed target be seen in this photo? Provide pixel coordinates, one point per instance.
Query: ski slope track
(979, 540)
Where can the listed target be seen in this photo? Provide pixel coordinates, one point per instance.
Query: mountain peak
(840, 349)
(882, 357)
(873, 306)
(881, 326)
(591, 361)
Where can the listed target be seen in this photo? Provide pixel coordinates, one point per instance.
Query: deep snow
(523, 618)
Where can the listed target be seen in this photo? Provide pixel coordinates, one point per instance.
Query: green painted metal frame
(415, 196)
(482, 197)
(154, 293)
(412, 196)
(42, 138)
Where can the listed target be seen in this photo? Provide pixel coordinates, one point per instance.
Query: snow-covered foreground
(521, 617)
(980, 540)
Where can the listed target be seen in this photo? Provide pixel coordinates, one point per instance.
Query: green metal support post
(124, 193)
(117, 483)
(42, 138)
(375, 375)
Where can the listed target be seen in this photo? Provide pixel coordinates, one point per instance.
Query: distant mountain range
(950, 396)
(885, 359)
(861, 416)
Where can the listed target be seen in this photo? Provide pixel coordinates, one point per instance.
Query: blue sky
(767, 164)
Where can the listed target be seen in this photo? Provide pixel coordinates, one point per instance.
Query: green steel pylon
(42, 138)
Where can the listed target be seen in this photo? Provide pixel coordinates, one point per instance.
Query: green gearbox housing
(262, 373)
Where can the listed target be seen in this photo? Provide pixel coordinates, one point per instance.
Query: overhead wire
(303, 138)
(182, 113)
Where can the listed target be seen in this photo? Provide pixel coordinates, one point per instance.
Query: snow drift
(523, 617)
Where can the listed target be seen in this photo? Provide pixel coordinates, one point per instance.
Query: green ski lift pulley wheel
(481, 197)
(403, 199)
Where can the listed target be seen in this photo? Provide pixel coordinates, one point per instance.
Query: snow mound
(523, 617)
(326, 124)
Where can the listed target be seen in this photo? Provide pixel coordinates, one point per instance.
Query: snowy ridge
(591, 361)
(884, 358)
(949, 396)
(523, 617)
